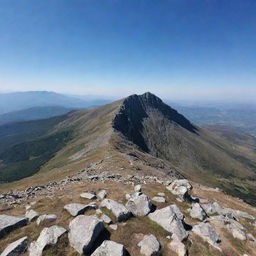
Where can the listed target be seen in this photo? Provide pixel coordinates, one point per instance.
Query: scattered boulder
(139, 204)
(9, 223)
(84, 230)
(109, 248)
(178, 247)
(171, 219)
(159, 199)
(149, 246)
(105, 219)
(76, 209)
(102, 194)
(197, 212)
(180, 188)
(88, 195)
(212, 208)
(46, 219)
(137, 188)
(31, 215)
(207, 232)
(120, 211)
(16, 248)
(48, 237)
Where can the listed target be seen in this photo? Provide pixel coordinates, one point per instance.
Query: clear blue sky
(175, 48)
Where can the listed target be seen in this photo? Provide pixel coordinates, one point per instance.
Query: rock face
(109, 248)
(84, 230)
(139, 204)
(178, 247)
(207, 232)
(31, 215)
(119, 210)
(48, 237)
(149, 246)
(77, 209)
(171, 219)
(180, 188)
(46, 219)
(197, 212)
(16, 248)
(88, 195)
(9, 223)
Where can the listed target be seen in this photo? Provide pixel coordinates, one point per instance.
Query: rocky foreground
(113, 215)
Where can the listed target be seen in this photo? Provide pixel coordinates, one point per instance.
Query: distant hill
(16, 101)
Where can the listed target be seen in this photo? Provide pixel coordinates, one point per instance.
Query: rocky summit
(133, 177)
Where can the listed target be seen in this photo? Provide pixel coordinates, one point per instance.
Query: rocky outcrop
(139, 204)
(109, 248)
(120, 211)
(16, 248)
(9, 223)
(76, 209)
(48, 237)
(149, 246)
(172, 220)
(84, 230)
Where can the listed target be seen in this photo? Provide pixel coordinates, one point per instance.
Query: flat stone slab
(16, 248)
(76, 209)
(88, 195)
(46, 219)
(159, 199)
(109, 248)
(9, 223)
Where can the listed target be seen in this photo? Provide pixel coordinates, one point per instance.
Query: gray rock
(16, 248)
(197, 212)
(76, 209)
(171, 219)
(84, 230)
(137, 188)
(46, 219)
(31, 215)
(88, 195)
(159, 199)
(178, 247)
(207, 232)
(109, 248)
(9, 223)
(139, 204)
(120, 211)
(102, 194)
(105, 219)
(212, 208)
(113, 226)
(179, 187)
(161, 194)
(149, 245)
(48, 237)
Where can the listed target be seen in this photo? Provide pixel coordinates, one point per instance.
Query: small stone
(105, 219)
(137, 188)
(197, 212)
(161, 194)
(102, 194)
(113, 226)
(159, 199)
(31, 215)
(149, 246)
(46, 219)
(16, 248)
(88, 195)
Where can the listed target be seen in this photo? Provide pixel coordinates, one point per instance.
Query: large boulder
(76, 209)
(197, 212)
(139, 204)
(9, 223)
(149, 246)
(207, 232)
(84, 230)
(172, 220)
(109, 248)
(48, 237)
(46, 219)
(16, 248)
(120, 211)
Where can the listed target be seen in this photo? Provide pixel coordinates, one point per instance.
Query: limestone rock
(207, 232)
(171, 219)
(84, 230)
(16, 248)
(102, 194)
(76, 209)
(178, 247)
(9, 223)
(149, 245)
(197, 212)
(109, 248)
(120, 211)
(159, 199)
(48, 237)
(31, 215)
(46, 219)
(88, 195)
(139, 204)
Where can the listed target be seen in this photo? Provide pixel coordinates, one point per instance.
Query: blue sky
(180, 49)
